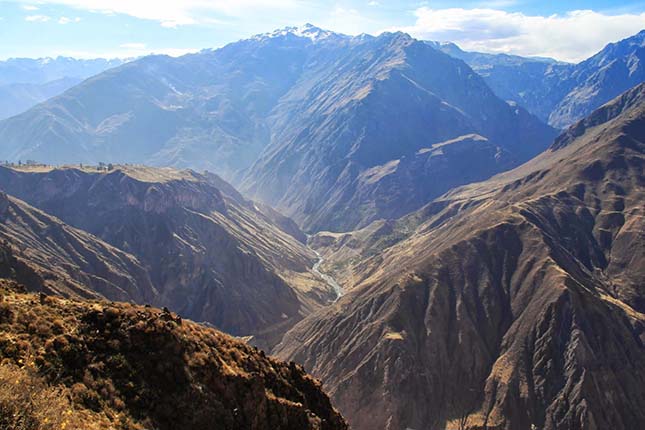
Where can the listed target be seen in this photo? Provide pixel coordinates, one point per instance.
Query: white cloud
(176, 13)
(65, 20)
(37, 18)
(573, 36)
(347, 21)
(30, 7)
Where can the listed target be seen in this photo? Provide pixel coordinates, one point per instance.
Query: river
(329, 279)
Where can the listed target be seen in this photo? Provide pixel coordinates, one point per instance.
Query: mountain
(618, 67)
(44, 70)
(296, 118)
(206, 111)
(17, 98)
(25, 82)
(506, 304)
(384, 117)
(97, 365)
(559, 93)
(209, 254)
(482, 60)
(537, 84)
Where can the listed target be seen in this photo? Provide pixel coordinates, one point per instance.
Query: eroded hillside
(509, 303)
(208, 253)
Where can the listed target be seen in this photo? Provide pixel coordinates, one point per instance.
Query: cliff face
(513, 302)
(48, 255)
(210, 255)
(93, 365)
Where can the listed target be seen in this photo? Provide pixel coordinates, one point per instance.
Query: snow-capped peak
(309, 31)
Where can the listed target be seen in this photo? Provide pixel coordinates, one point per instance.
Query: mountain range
(408, 228)
(560, 93)
(313, 122)
(304, 91)
(25, 82)
(505, 304)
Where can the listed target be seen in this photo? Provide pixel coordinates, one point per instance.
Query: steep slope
(48, 255)
(403, 185)
(97, 365)
(559, 93)
(377, 101)
(211, 256)
(509, 303)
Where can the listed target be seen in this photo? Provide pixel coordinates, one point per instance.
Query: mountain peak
(308, 31)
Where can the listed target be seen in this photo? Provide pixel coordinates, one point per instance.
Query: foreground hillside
(179, 239)
(510, 303)
(68, 364)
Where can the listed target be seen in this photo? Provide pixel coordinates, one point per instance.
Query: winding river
(327, 278)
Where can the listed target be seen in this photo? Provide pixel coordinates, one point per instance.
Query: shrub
(27, 403)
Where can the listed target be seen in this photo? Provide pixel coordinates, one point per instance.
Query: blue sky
(566, 30)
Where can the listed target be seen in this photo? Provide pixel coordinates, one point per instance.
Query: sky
(565, 30)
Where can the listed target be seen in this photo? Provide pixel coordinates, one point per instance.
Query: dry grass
(27, 402)
(131, 367)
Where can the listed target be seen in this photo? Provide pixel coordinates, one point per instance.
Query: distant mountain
(209, 254)
(207, 110)
(301, 118)
(482, 61)
(45, 70)
(513, 303)
(97, 365)
(618, 67)
(17, 98)
(25, 82)
(537, 84)
(559, 93)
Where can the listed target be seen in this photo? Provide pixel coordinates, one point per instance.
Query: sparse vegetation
(133, 367)
(27, 402)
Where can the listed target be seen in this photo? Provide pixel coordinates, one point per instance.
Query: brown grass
(27, 402)
(132, 367)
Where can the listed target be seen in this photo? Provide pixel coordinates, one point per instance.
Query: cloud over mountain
(573, 36)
